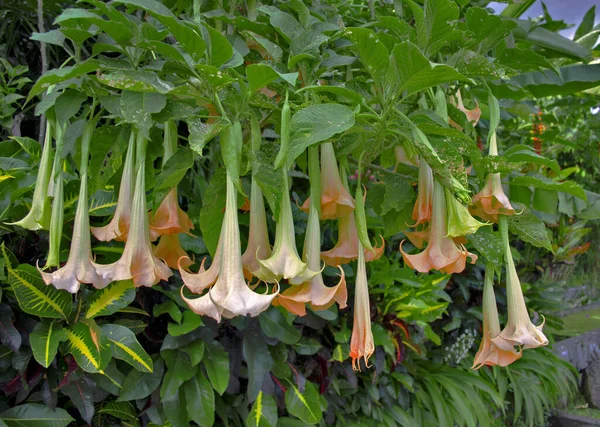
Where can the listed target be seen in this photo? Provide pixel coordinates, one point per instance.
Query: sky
(570, 11)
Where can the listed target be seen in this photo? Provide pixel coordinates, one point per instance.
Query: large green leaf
(530, 229)
(189, 38)
(125, 346)
(138, 385)
(200, 400)
(35, 415)
(35, 297)
(81, 393)
(258, 359)
(435, 24)
(44, 340)
(211, 214)
(138, 108)
(274, 325)
(412, 71)
(317, 123)
(217, 366)
(573, 78)
(261, 75)
(488, 29)
(306, 406)
(88, 346)
(119, 31)
(371, 52)
(263, 412)
(61, 74)
(135, 81)
(540, 181)
(111, 299)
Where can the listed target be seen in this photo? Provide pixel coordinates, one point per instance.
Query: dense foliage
(372, 130)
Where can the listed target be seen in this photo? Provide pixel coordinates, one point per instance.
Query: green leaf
(88, 346)
(317, 123)
(553, 41)
(263, 412)
(138, 385)
(191, 321)
(268, 179)
(272, 49)
(412, 72)
(572, 79)
(54, 37)
(68, 104)
(261, 75)
(135, 81)
(58, 75)
(81, 393)
(202, 133)
(217, 366)
(220, 48)
(35, 297)
(540, 181)
(121, 410)
(435, 25)
(108, 145)
(274, 325)
(353, 97)
(587, 23)
(398, 192)
(305, 406)
(515, 10)
(138, 107)
(168, 307)
(488, 29)
(31, 146)
(200, 400)
(125, 346)
(371, 52)
(35, 415)
(9, 335)
(195, 350)
(487, 242)
(429, 333)
(530, 229)
(44, 341)
(285, 23)
(111, 299)
(257, 358)
(189, 38)
(119, 31)
(525, 153)
(172, 173)
(175, 409)
(523, 60)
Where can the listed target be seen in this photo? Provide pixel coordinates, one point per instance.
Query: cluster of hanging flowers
(246, 283)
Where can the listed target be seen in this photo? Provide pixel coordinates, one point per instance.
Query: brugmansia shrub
(224, 229)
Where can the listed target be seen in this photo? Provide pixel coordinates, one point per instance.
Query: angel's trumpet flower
(39, 215)
(169, 249)
(441, 252)
(422, 210)
(314, 291)
(460, 221)
(336, 201)
(361, 344)
(489, 352)
(118, 227)
(138, 261)
(406, 155)
(197, 282)
(79, 267)
(346, 248)
(285, 261)
(56, 187)
(169, 218)
(258, 237)
(472, 115)
(491, 201)
(519, 330)
(230, 296)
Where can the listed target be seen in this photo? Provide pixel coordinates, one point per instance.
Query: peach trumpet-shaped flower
(169, 218)
(460, 221)
(346, 248)
(197, 282)
(491, 201)
(406, 156)
(519, 329)
(336, 200)
(489, 352)
(138, 261)
(441, 253)
(362, 345)
(258, 236)
(79, 267)
(169, 249)
(118, 227)
(285, 261)
(422, 209)
(38, 217)
(230, 296)
(314, 291)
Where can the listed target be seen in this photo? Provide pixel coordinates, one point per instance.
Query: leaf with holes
(138, 107)
(109, 300)
(44, 340)
(125, 346)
